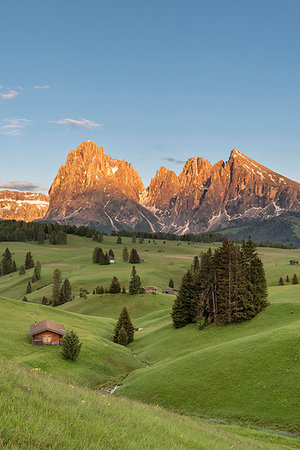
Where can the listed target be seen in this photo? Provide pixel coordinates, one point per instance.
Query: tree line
(225, 286)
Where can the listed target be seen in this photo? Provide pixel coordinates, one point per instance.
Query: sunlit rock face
(27, 206)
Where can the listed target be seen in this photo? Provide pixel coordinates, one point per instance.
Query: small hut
(170, 291)
(148, 290)
(294, 262)
(47, 332)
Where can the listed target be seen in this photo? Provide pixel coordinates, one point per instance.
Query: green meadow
(212, 388)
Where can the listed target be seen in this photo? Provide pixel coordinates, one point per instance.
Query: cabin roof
(148, 288)
(47, 325)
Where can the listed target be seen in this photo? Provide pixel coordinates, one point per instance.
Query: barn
(148, 289)
(47, 332)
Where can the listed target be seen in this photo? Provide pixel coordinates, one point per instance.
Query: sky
(154, 82)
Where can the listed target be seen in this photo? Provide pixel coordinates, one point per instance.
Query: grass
(246, 373)
(40, 412)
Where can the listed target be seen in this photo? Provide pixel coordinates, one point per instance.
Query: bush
(71, 346)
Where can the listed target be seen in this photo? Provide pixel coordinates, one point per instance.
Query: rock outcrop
(27, 206)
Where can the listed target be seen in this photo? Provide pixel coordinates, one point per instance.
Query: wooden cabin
(294, 262)
(148, 290)
(111, 259)
(47, 332)
(170, 291)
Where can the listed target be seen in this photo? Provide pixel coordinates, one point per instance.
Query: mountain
(94, 189)
(27, 206)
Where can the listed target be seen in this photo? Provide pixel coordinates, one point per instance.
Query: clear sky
(149, 80)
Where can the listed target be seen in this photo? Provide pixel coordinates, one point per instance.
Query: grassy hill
(244, 373)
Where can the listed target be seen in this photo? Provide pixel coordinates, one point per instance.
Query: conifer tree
(280, 282)
(111, 253)
(45, 301)
(106, 259)
(171, 283)
(101, 257)
(125, 322)
(134, 257)
(115, 287)
(25, 299)
(196, 264)
(56, 287)
(37, 272)
(22, 270)
(29, 263)
(141, 240)
(287, 279)
(125, 254)
(96, 255)
(119, 240)
(122, 337)
(41, 237)
(135, 282)
(101, 290)
(28, 288)
(133, 239)
(14, 266)
(184, 309)
(295, 279)
(7, 263)
(70, 346)
(123, 290)
(65, 294)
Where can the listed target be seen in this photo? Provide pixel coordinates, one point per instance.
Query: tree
(7, 262)
(184, 308)
(101, 257)
(119, 240)
(196, 264)
(29, 263)
(106, 259)
(111, 253)
(115, 287)
(287, 279)
(96, 255)
(141, 240)
(134, 257)
(56, 287)
(122, 337)
(171, 283)
(45, 301)
(125, 254)
(123, 290)
(295, 279)
(70, 346)
(280, 282)
(134, 283)
(28, 288)
(125, 322)
(22, 270)
(65, 294)
(133, 239)
(25, 299)
(37, 272)
(40, 236)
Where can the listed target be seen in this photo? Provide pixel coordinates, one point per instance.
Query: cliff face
(27, 206)
(96, 190)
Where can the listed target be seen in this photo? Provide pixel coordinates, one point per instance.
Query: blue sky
(149, 80)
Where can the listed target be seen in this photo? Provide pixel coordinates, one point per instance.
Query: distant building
(170, 291)
(47, 332)
(160, 251)
(148, 290)
(172, 263)
(111, 260)
(294, 262)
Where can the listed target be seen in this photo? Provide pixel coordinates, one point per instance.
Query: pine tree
(184, 309)
(125, 322)
(96, 255)
(134, 257)
(70, 346)
(101, 257)
(141, 240)
(287, 279)
(123, 290)
(7, 263)
(22, 270)
(111, 253)
(25, 299)
(14, 266)
(29, 263)
(280, 282)
(196, 264)
(28, 288)
(171, 283)
(56, 287)
(65, 294)
(37, 272)
(125, 254)
(295, 279)
(135, 282)
(115, 287)
(41, 237)
(119, 240)
(133, 239)
(45, 301)
(122, 337)
(106, 259)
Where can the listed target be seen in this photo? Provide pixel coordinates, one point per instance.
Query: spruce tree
(7, 263)
(111, 253)
(171, 283)
(70, 346)
(25, 299)
(134, 257)
(196, 264)
(29, 263)
(101, 257)
(184, 308)
(133, 239)
(125, 254)
(122, 337)
(28, 288)
(22, 270)
(14, 266)
(119, 240)
(141, 240)
(135, 282)
(37, 272)
(295, 279)
(56, 287)
(280, 282)
(123, 290)
(106, 259)
(41, 237)
(125, 322)
(96, 255)
(287, 279)
(45, 301)
(115, 287)
(65, 294)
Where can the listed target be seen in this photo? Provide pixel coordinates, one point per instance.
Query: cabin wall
(48, 338)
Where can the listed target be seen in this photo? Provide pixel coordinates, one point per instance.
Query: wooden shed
(148, 289)
(47, 332)
(294, 262)
(170, 291)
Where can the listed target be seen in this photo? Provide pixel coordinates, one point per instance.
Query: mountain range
(93, 189)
